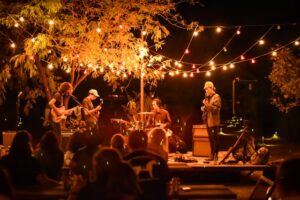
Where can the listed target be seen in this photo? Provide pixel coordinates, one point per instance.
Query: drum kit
(132, 125)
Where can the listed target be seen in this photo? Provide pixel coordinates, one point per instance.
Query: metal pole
(142, 92)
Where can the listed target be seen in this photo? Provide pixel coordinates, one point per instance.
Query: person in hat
(211, 109)
(91, 113)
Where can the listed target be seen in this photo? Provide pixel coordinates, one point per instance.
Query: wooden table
(203, 192)
(38, 193)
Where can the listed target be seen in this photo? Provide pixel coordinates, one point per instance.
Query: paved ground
(279, 150)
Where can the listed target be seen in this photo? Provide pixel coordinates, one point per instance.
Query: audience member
(77, 140)
(158, 142)
(6, 188)
(287, 185)
(118, 142)
(81, 162)
(151, 169)
(50, 156)
(111, 179)
(23, 168)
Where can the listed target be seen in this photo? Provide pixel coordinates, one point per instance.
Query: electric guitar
(61, 114)
(96, 114)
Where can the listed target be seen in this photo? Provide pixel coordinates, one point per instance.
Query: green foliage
(285, 79)
(91, 39)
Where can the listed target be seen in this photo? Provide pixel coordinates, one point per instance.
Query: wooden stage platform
(189, 163)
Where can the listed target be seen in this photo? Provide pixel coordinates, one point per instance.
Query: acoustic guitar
(61, 114)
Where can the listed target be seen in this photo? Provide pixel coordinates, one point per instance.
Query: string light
(186, 51)
(261, 42)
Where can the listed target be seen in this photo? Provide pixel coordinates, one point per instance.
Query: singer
(211, 114)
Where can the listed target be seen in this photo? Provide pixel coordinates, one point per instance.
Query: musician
(91, 113)
(160, 117)
(211, 107)
(57, 105)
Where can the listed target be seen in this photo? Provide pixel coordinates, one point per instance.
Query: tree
(79, 39)
(285, 79)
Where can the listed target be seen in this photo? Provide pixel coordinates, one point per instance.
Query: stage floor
(188, 162)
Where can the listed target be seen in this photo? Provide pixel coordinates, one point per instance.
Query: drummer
(159, 117)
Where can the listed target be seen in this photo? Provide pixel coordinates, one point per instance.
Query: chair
(150, 172)
(263, 189)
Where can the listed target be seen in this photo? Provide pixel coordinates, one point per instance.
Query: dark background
(183, 96)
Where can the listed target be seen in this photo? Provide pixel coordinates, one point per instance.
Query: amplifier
(201, 143)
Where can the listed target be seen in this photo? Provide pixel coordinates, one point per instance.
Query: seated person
(158, 142)
(50, 156)
(151, 169)
(23, 168)
(118, 142)
(160, 117)
(287, 179)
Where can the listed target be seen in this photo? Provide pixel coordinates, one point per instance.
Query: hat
(209, 84)
(94, 92)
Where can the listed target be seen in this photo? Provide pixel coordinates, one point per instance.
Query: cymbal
(122, 121)
(145, 113)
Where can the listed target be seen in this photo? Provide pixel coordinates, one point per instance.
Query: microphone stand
(18, 117)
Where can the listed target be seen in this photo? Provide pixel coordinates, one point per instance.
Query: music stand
(242, 138)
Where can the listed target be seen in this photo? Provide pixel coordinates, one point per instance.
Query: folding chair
(263, 189)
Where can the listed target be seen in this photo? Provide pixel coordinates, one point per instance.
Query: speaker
(201, 143)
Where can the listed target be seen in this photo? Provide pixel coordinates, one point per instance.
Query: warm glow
(193, 66)
(65, 59)
(213, 68)
(238, 32)
(186, 51)
(16, 25)
(185, 75)
(68, 70)
(231, 66)
(51, 22)
(208, 73)
(219, 30)
(98, 30)
(261, 42)
(13, 45)
(22, 19)
(32, 39)
(212, 63)
(144, 32)
(253, 61)
(297, 43)
(225, 49)
(191, 74)
(50, 66)
(196, 33)
(224, 67)
(242, 57)
(274, 53)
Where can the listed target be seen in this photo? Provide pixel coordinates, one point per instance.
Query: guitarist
(91, 113)
(57, 105)
(211, 107)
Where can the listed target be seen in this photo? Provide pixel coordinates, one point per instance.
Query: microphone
(20, 94)
(101, 100)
